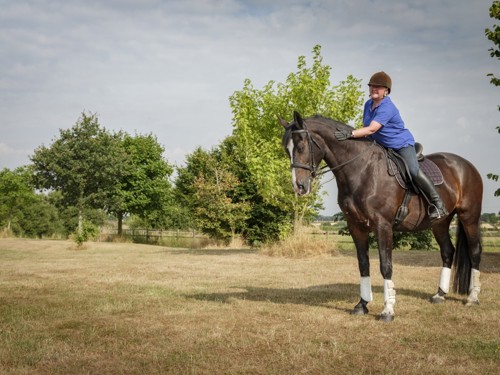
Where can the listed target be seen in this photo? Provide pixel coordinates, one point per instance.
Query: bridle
(312, 167)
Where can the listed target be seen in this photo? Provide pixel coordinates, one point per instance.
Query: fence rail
(174, 238)
(195, 240)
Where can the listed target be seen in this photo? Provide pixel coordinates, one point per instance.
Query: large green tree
(493, 35)
(255, 127)
(145, 189)
(85, 163)
(93, 168)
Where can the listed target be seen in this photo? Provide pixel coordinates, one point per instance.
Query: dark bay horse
(369, 198)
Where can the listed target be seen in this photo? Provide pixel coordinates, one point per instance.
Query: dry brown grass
(302, 244)
(138, 309)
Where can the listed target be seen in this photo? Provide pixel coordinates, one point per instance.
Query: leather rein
(312, 167)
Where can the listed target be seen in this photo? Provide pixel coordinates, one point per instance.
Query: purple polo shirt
(393, 133)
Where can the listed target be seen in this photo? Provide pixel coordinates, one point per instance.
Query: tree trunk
(120, 223)
(80, 221)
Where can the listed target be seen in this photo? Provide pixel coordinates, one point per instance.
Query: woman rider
(383, 123)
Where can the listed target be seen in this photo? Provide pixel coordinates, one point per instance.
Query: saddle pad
(426, 165)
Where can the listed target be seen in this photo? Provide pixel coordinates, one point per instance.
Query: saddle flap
(426, 165)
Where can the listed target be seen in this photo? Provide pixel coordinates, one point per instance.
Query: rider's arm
(366, 131)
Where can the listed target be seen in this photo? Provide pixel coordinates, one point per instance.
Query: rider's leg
(437, 209)
(427, 186)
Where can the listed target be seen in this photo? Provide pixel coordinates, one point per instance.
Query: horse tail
(461, 263)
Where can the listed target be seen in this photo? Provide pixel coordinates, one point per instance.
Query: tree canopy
(16, 191)
(493, 35)
(93, 168)
(83, 164)
(258, 135)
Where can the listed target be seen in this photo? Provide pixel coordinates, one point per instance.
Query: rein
(344, 163)
(312, 165)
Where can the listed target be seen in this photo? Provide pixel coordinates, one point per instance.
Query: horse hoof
(437, 299)
(359, 311)
(386, 318)
(472, 302)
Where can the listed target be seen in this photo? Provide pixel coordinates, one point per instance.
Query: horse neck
(348, 159)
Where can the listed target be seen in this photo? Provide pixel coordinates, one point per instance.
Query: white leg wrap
(474, 280)
(475, 288)
(389, 298)
(365, 287)
(444, 279)
(389, 292)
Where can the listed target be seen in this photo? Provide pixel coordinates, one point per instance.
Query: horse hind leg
(387, 314)
(475, 288)
(468, 258)
(443, 239)
(473, 234)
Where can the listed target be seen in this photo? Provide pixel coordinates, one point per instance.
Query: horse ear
(299, 121)
(283, 123)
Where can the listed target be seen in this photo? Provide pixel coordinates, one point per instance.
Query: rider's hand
(342, 134)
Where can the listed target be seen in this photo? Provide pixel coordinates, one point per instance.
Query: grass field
(138, 309)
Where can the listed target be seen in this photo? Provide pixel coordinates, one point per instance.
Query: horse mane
(335, 124)
(319, 118)
(330, 122)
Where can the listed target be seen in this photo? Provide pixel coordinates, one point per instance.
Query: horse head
(304, 152)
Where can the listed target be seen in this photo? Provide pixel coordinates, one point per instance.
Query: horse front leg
(385, 242)
(360, 239)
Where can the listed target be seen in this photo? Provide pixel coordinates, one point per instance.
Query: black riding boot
(436, 207)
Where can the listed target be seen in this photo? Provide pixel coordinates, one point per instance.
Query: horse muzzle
(302, 187)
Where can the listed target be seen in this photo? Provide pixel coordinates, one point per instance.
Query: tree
(220, 178)
(113, 172)
(69, 215)
(490, 218)
(493, 35)
(217, 214)
(84, 164)
(258, 134)
(185, 201)
(207, 186)
(40, 218)
(265, 221)
(144, 189)
(16, 192)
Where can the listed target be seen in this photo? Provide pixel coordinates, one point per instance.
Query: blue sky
(169, 67)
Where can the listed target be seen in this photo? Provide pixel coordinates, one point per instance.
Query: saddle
(396, 166)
